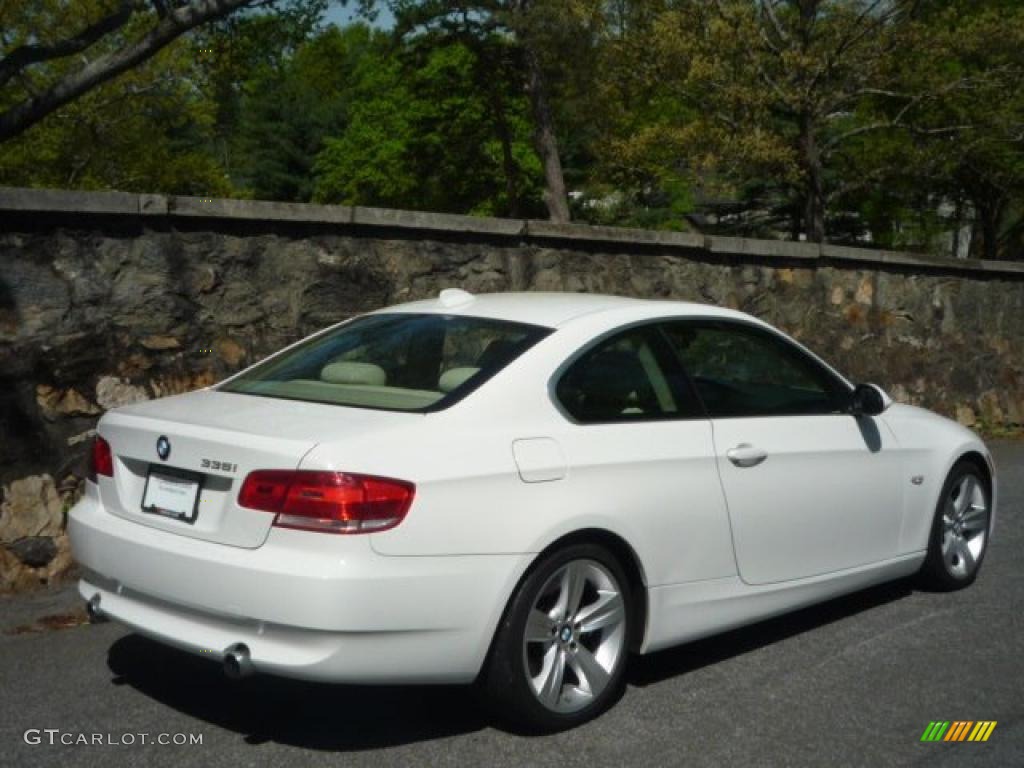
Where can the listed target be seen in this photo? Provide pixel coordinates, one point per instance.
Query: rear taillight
(101, 459)
(331, 502)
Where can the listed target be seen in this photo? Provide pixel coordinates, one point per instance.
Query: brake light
(330, 502)
(101, 459)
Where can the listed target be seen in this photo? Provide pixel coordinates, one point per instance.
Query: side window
(742, 371)
(624, 378)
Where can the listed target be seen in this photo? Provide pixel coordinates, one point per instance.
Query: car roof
(554, 310)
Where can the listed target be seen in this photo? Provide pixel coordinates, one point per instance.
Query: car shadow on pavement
(293, 712)
(679, 660)
(353, 718)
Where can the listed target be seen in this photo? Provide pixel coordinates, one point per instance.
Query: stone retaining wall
(109, 298)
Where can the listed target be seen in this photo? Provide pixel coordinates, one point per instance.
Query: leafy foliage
(113, 93)
(287, 111)
(898, 123)
(426, 131)
(860, 121)
(145, 131)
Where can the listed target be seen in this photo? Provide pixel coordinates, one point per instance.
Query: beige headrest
(455, 377)
(354, 373)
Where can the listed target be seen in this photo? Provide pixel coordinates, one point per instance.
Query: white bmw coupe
(518, 490)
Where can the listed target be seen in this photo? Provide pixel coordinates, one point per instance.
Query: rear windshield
(393, 361)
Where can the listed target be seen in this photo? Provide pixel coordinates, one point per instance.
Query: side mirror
(868, 400)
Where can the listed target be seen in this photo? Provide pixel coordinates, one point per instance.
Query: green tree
(771, 94)
(287, 110)
(54, 51)
(539, 32)
(155, 126)
(959, 160)
(619, 109)
(769, 83)
(242, 54)
(147, 131)
(423, 133)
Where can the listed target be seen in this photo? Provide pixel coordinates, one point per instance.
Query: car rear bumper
(307, 605)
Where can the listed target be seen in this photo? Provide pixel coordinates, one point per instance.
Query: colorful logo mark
(958, 730)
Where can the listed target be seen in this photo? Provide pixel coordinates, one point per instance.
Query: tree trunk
(545, 139)
(814, 187)
(989, 214)
(958, 218)
(508, 159)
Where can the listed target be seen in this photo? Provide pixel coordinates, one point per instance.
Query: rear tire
(960, 530)
(559, 655)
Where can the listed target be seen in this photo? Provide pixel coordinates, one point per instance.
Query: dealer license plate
(171, 494)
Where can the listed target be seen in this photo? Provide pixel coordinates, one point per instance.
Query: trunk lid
(216, 439)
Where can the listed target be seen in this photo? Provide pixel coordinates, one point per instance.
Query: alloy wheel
(575, 636)
(965, 519)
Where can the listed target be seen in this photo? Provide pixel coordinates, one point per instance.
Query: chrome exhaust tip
(237, 662)
(92, 609)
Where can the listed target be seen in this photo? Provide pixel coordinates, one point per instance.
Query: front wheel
(559, 654)
(960, 530)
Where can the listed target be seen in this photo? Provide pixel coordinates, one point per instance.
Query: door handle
(746, 455)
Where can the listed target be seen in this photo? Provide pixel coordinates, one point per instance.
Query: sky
(342, 15)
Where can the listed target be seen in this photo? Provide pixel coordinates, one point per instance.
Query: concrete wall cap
(68, 202)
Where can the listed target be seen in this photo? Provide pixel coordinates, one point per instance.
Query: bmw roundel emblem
(163, 447)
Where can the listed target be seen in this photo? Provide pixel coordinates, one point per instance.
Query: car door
(641, 456)
(810, 488)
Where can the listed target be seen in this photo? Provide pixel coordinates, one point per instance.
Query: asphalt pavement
(853, 682)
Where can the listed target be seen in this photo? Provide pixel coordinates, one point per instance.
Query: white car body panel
(828, 497)
(682, 612)
(312, 607)
(668, 462)
(500, 477)
(930, 445)
(245, 432)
